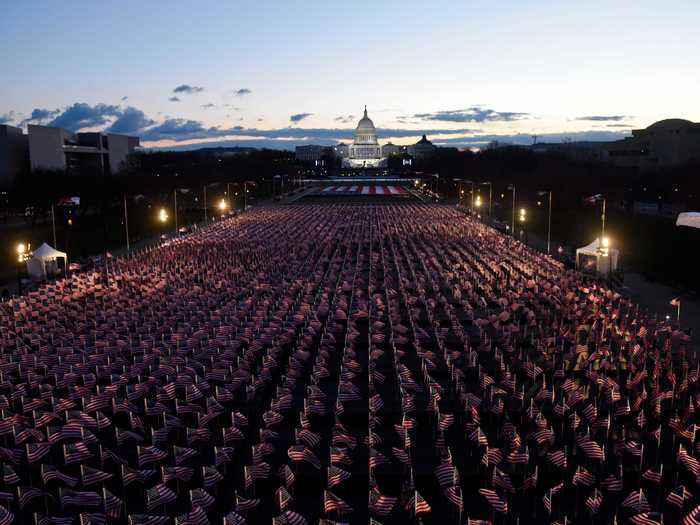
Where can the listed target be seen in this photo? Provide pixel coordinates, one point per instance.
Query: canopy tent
(690, 218)
(44, 261)
(592, 257)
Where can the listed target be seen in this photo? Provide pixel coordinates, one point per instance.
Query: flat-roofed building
(666, 143)
(13, 153)
(57, 149)
(312, 152)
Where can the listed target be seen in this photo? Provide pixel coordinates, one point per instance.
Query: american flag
(112, 504)
(679, 496)
(380, 504)
(333, 504)
(498, 504)
(158, 496)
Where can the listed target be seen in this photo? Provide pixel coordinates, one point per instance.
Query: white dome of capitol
(365, 125)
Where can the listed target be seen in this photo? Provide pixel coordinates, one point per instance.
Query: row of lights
(163, 213)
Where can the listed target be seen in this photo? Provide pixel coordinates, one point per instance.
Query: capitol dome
(365, 133)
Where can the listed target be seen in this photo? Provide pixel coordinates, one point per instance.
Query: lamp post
(175, 211)
(126, 227)
(512, 187)
(549, 217)
(53, 226)
(490, 194)
(522, 219)
(223, 206)
(602, 218)
(205, 205)
(478, 203)
(471, 209)
(163, 216)
(23, 253)
(245, 196)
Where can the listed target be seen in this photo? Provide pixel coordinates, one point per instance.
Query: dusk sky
(282, 73)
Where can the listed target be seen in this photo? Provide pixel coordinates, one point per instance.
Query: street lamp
(223, 206)
(512, 188)
(23, 254)
(522, 218)
(471, 208)
(490, 194)
(605, 252)
(163, 215)
(549, 217)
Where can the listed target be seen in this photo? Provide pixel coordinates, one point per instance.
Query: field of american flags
(341, 363)
(362, 189)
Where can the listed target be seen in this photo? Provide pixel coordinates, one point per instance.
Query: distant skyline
(278, 74)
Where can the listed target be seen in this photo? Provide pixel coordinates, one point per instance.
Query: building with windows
(312, 153)
(390, 149)
(56, 149)
(13, 153)
(46, 148)
(664, 144)
(365, 151)
(422, 149)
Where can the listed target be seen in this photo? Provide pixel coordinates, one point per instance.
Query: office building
(13, 153)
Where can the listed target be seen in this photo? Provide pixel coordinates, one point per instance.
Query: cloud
(208, 106)
(242, 92)
(345, 119)
(178, 129)
(604, 118)
(125, 97)
(186, 89)
(8, 117)
(40, 116)
(472, 114)
(182, 130)
(525, 139)
(132, 121)
(81, 115)
(175, 129)
(618, 126)
(174, 99)
(298, 117)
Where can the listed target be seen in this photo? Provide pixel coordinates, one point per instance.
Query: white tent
(690, 218)
(43, 261)
(592, 257)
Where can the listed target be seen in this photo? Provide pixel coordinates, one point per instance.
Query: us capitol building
(365, 151)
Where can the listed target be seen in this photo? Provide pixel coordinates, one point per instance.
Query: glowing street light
(23, 254)
(163, 215)
(223, 206)
(477, 202)
(523, 214)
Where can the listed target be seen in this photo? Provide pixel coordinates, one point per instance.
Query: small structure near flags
(597, 257)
